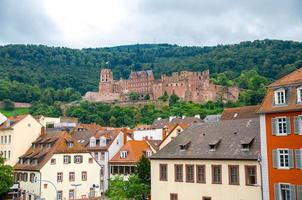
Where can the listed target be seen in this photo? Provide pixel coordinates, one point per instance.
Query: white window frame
(288, 189)
(284, 128)
(92, 142)
(299, 94)
(278, 100)
(123, 154)
(279, 158)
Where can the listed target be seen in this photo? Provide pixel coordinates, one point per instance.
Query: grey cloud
(25, 21)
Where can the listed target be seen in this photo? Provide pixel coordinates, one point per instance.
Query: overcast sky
(100, 23)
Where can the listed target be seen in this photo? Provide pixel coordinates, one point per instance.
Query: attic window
(70, 144)
(148, 153)
(246, 144)
(280, 98)
(214, 145)
(184, 146)
(123, 154)
(92, 142)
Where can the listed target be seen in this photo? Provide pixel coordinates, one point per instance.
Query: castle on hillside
(189, 86)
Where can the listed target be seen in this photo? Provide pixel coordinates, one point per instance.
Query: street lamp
(75, 189)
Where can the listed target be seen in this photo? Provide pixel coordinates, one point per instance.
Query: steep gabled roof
(58, 146)
(134, 148)
(292, 78)
(200, 136)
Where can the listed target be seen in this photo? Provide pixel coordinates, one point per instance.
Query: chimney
(197, 116)
(124, 131)
(165, 130)
(42, 131)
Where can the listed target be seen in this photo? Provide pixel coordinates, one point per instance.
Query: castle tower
(106, 82)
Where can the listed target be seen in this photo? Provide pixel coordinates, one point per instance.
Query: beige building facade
(206, 190)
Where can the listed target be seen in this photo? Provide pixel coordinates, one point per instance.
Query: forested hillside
(60, 68)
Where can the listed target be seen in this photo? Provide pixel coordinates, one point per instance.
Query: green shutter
(291, 158)
(297, 126)
(275, 159)
(287, 125)
(293, 192)
(274, 126)
(277, 191)
(299, 192)
(298, 153)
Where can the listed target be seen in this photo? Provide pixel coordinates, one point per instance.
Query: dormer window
(70, 144)
(246, 144)
(49, 145)
(34, 162)
(123, 154)
(184, 146)
(92, 142)
(280, 97)
(41, 146)
(103, 142)
(33, 146)
(299, 94)
(148, 153)
(214, 145)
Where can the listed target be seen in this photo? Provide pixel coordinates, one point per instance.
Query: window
(200, 174)
(163, 172)
(178, 173)
(32, 177)
(25, 177)
(233, 174)
(5, 139)
(70, 144)
(190, 173)
(91, 193)
(216, 174)
(71, 194)
(206, 198)
(8, 154)
(280, 98)
(84, 176)
(78, 159)
(60, 177)
(123, 154)
(298, 124)
(90, 160)
(281, 126)
(71, 176)
(250, 175)
(173, 196)
(67, 159)
(53, 161)
(96, 155)
(299, 94)
(9, 139)
(60, 195)
(2, 141)
(92, 142)
(283, 155)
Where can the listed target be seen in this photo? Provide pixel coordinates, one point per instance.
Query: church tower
(106, 82)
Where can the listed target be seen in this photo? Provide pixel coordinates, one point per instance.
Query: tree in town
(173, 99)
(134, 96)
(143, 170)
(6, 177)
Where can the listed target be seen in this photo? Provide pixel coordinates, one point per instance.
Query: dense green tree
(8, 105)
(143, 170)
(147, 97)
(164, 97)
(173, 99)
(6, 177)
(134, 96)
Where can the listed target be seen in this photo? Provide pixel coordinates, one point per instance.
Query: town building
(189, 86)
(244, 112)
(124, 161)
(57, 167)
(17, 133)
(103, 144)
(210, 161)
(281, 138)
(171, 133)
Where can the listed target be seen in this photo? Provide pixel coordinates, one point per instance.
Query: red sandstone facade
(190, 86)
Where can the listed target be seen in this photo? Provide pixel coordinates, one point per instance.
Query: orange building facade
(281, 138)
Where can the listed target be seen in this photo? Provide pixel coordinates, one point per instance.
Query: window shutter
(292, 192)
(291, 158)
(275, 159)
(287, 125)
(297, 127)
(274, 126)
(277, 191)
(287, 95)
(299, 188)
(298, 153)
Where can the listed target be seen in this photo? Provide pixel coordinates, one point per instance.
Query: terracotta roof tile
(292, 78)
(244, 112)
(135, 151)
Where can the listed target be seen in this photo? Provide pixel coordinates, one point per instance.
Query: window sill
(282, 135)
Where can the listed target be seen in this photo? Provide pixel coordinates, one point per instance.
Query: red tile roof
(135, 151)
